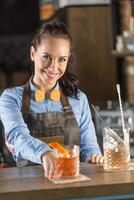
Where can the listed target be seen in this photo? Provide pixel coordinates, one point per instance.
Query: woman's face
(50, 61)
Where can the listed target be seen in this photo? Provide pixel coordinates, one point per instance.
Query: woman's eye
(62, 60)
(47, 57)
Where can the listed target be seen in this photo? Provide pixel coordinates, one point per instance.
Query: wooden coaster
(79, 178)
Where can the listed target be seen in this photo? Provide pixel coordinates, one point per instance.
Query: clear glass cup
(68, 166)
(116, 148)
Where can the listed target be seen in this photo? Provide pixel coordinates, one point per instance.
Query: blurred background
(103, 34)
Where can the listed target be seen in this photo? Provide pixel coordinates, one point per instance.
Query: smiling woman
(52, 51)
(50, 107)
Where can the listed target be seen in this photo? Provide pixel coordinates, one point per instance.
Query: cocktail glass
(68, 164)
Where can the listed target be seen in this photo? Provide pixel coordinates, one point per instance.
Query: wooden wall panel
(91, 30)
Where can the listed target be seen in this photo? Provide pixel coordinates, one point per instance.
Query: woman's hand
(99, 159)
(49, 165)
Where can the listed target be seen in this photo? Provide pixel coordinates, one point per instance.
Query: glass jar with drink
(116, 149)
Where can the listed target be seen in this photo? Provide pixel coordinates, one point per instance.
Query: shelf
(122, 53)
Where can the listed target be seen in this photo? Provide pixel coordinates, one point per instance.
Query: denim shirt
(17, 135)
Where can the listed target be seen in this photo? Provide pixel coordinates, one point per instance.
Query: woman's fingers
(49, 164)
(51, 171)
(46, 169)
(93, 158)
(101, 160)
(97, 159)
(46, 166)
(57, 174)
(50, 168)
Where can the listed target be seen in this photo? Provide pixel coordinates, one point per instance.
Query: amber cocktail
(68, 167)
(67, 160)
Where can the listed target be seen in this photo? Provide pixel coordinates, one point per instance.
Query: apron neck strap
(27, 97)
(26, 100)
(65, 102)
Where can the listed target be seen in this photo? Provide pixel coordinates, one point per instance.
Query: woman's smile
(50, 75)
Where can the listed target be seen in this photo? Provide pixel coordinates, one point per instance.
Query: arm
(23, 145)
(90, 151)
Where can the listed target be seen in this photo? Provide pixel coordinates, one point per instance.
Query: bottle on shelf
(119, 43)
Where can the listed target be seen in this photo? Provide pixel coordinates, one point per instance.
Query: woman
(50, 107)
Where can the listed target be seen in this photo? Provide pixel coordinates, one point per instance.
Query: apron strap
(27, 96)
(26, 101)
(64, 100)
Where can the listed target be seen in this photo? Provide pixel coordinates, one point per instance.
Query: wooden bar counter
(28, 183)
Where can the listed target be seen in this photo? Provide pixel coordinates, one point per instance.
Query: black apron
(51, 126)
(59, 127)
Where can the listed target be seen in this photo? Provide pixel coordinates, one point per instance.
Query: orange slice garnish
(59, 148)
